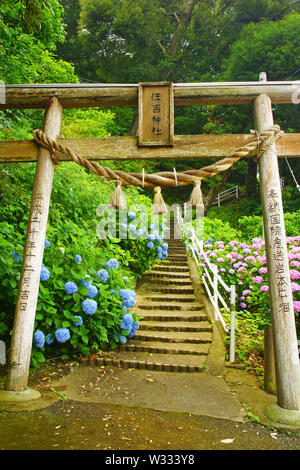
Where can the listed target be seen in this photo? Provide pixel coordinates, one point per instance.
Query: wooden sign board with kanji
(156, 114)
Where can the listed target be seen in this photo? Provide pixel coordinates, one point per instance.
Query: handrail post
(215, 294)
(232, 324)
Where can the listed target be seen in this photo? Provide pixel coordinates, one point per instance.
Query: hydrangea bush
(245, 266)
(86, 297)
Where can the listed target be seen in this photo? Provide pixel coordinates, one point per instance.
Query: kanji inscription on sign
(156, 114)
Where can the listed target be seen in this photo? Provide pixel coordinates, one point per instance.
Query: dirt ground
(94, 421)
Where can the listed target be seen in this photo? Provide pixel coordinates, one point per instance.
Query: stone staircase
(175, 334)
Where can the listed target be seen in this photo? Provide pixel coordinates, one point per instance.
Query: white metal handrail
(227, 194)
(200, 257)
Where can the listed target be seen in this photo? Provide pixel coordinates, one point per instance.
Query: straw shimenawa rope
(261, 143)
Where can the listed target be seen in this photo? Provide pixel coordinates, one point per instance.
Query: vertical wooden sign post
(156, 114)
(21, 344)
(281, 300)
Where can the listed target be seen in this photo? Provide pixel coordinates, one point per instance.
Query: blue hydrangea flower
(16, 256)
(89, 306)
(78, 259)
(158, 238)
(93, 291)
(45, 274)
(124, 226)
(62, 335)
(151, 227)
(159, 255)
(86, 282)
(159, 249)
(49, 339)
(39, 338)
(47, 244)
(150, 245)
(131, 215)
(78, 321)
(139, 232)
(132, 227)
(134, 328)
(165, 246)
(128, 296)
(123, 339)
(70, 287)
(151, 237)
(103, 274)
(112, 292)
(127, 322)
(112, 264)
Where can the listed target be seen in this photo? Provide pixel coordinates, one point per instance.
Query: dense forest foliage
(130, 41)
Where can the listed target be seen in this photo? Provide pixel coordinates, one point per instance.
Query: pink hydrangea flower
(220, 260)
(263, 270)
(243, 305)
(294, 275)
(231, 271)
(247, 292)
(296, 305)
(295, 287)
(295, 263)
(264, 288)
(258, 279)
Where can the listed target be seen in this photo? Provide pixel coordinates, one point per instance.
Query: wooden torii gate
(54, 97)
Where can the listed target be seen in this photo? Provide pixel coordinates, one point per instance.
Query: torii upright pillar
(20, 350)
(281, 299)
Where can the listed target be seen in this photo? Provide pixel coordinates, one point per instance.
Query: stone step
(177, 325)
(171, 268)
(146, 361)
(175, 259)
(174, 263)
(169, 306)
(170, 289)
(168, 281)
(174, 337)
(168, 276)
(171, 316)
(161, 347)
(169, 298)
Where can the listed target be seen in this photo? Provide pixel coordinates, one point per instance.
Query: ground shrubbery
(241, 260)
(86, 293)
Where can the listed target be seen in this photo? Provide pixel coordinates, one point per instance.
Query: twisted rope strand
(261, 143)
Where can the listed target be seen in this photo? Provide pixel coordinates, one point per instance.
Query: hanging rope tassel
(118, 199)
(196, 199)
(159, 206)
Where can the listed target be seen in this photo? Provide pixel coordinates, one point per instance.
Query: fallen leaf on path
(227, 441)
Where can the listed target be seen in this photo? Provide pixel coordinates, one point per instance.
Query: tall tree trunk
(251, 178)
(214, 191)
(172, 50)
